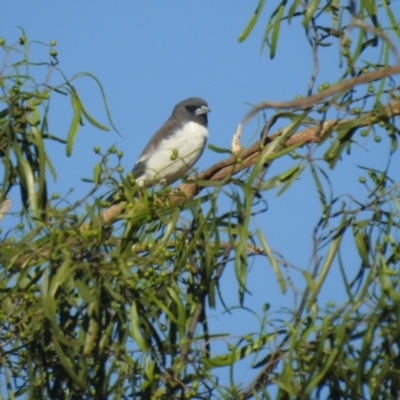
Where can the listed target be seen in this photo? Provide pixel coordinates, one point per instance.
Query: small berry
(361, 179)
(2, 41)
(22, 40)
(53, 42)
(377, 138)
(346, 42)
(96, 149)
(53, 53)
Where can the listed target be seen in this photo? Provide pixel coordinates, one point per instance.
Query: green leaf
(92, 120)
(135, 328)
(278, 180)
(272, 260)
(61, 275)
(96, 173)
(87, 74)
(288, 180)
(361, 242)
(370, 6)
(252, 21)
(327, 263)
(274, 25)
(76, 106)
(393, 23)
(91, 336)
(321, 194)
(37, 139)
(311, 7)
(164, 307)
(67, 364)
(293, 9)
(28, 180)
(238, 354)
(84, 291)
(275, 31)
(218, 149)
(172, 291)
(310, 283)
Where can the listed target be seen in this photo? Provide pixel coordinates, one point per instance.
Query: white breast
(189, 142)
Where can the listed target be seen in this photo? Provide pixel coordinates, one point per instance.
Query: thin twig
(310, 101)
(313, 40)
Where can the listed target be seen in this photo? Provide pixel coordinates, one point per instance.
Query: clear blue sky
(148, 56)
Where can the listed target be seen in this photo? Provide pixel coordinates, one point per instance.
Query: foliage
(99, 307)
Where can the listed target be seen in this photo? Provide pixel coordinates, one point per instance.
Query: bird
(176, 145)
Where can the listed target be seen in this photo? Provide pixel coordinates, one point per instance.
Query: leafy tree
(104, 300)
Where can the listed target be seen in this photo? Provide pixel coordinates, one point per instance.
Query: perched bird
(176, 146)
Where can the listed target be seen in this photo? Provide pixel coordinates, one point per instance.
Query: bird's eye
(190, 108)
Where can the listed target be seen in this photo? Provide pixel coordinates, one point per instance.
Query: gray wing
(170, 126)
(138, 169)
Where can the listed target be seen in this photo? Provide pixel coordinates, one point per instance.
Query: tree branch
(310, 101)
(230, 166)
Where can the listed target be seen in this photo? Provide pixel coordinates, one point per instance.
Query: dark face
(193, 109)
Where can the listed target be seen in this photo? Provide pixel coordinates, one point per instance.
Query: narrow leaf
(310, 12)
(333, 249)
(275, 31)
(135, 328)
(272, 260)
(92, 120)
(76, 106)
(252, 22)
